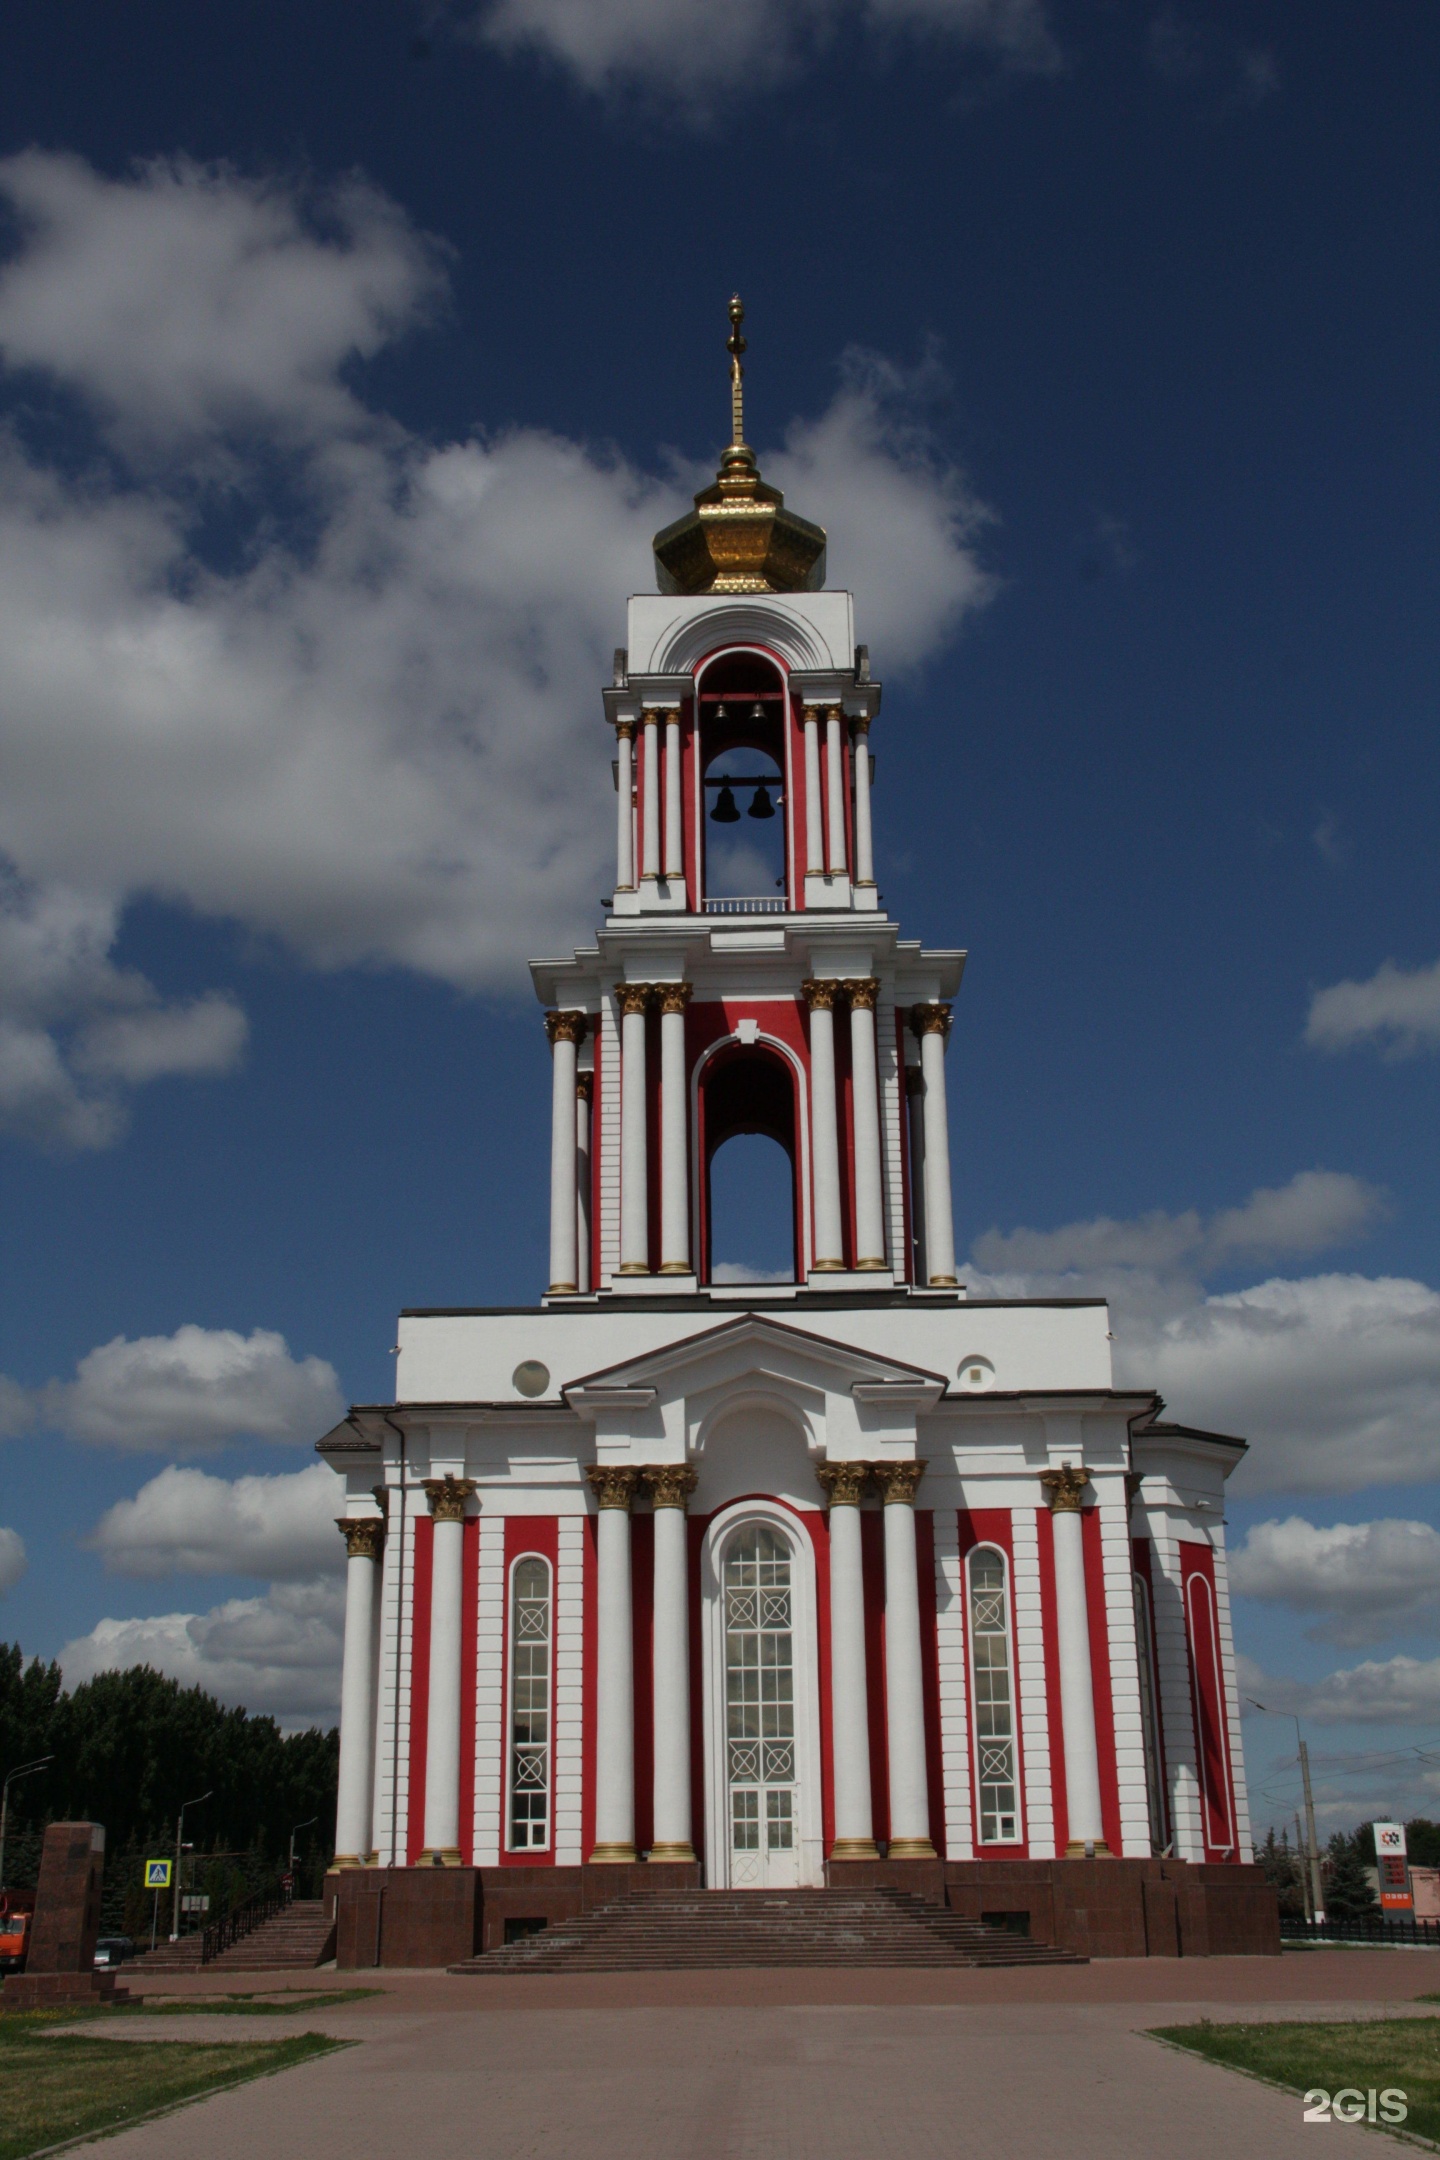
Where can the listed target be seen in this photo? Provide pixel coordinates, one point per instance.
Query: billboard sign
(1390, 1861)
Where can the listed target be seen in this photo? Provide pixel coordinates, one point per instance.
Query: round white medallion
(530, 1377)
(976, 1374)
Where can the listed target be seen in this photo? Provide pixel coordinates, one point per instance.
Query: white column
(625, 809)
(565, 1030)
(849, 1708)
(814, 811)
(829, 1253)
(364, 1542)
(447, 1497)
(674, 828)
(865, 1103)
(904, 1685)
(1077, 1693)
(674, 1123)
(835, 793)
(584, 1089)
(931, 1024)
(670, 1483)
(650, 798)
(634, 1169)
(915, 1103)
(614, 1673)
(864, 839)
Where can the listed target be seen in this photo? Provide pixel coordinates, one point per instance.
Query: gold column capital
(447, 1496)
(633, 997)
(931, 1019)
(844, 1482)
(625, 731)
(671, 1484)
(613, 1484)
(566, 1027)
(820, 993)
(674, 997)
(862, 990)
(860, 724)
(897, 1481)
(364, 1535)
(585, 1086)
(1065, 1487)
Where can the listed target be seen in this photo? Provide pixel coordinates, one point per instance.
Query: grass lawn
(1401, 2053)
(68, 2086)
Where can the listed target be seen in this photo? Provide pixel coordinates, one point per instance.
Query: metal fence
(1393, 1928)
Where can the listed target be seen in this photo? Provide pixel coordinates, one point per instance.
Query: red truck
(17, 1910)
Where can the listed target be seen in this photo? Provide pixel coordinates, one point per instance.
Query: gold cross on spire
(735, 345)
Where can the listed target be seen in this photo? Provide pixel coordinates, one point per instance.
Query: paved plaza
(783, 2066)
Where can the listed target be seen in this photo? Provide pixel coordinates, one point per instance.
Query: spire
(739, 538)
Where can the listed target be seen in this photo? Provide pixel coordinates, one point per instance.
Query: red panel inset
(1140, 1554)
(527, 1534)
(590, 1662)
(992, 1526)
(419, 1684)
(1207, 1701)
(642, 1637)
(1050, 1632)
(1096, 1615)
(872, 1561)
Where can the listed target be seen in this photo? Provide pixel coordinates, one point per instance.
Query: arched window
(1149, 1713)
(744, 819)
(530, 1635)
(750, 1089)
(993, 1697)
(760, 1708)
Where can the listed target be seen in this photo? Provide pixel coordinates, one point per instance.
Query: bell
(720, 713)
(759, 712)
(760, 804)
(725, 812)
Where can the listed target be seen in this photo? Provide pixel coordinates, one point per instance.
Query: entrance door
(760, 1712)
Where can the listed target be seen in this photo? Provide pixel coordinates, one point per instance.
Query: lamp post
(179, 1849)
(1317, 1895)
(41, 1762)
(293, 1835)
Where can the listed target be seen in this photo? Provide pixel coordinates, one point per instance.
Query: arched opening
(741, 724)
(750, 1211)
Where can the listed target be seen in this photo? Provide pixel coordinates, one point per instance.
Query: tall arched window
(530, 1634)
(993, 1697)
(749, 1089)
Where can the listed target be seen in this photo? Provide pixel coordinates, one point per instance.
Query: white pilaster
(824, 1134)
(674, 827)
(364, 1542)
(954, 1686)
(650, 799)
(674, 1123)
(634, 1167)
(584, 1171)
(670, 1484)
(865, 1100)
(1038, 1789)
(904, 1673)
(932, 1024)
(565, 1030)
(614, 1673)
(835, 853)
(1118, 1575)
(569, 1689)
(491, 1794)
(814, 801)
(1077, 1689)
(447, 1498)
(625, 806)
(849, 1714)
(864, 841)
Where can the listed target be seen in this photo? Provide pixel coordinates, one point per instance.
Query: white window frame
(512, 1641)
(987, 1546)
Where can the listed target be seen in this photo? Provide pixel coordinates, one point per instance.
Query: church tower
(844, 1580)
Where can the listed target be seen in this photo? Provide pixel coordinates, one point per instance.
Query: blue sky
(350, 356)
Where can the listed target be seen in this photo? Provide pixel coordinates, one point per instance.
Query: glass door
(760, 1713)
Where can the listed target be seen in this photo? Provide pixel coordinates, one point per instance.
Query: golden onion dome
(739, 538)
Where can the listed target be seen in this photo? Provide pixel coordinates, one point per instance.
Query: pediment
(752, 1345)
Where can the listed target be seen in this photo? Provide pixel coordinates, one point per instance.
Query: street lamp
(1317, 1895)
(41, 1762)
(179, 1849)
(294, 1834)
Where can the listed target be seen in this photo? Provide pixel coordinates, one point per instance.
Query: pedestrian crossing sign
(157, 1874)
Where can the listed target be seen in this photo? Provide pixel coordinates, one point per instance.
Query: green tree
(1349, 1892)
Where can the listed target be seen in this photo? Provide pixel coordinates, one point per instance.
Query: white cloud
(695, 49)
(1396, 1008)
(372, 732)
(188, 1522)
(740, 1271)
(13, 1560)
(194, 1391)
(278, 1654)
(1367, 1580)
(1381, 1691)
(1335, 1378)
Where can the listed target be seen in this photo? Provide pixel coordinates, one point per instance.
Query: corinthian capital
(931, 1019)
(897, 1481)
(671, 1484)
(613, 1484)
(633, 997)
(820, 995)
(674, 997)
(1065, 1487)
(844, 1482)
(447, 1496)
(565, 1027)
(862, 990)
(364, 1536)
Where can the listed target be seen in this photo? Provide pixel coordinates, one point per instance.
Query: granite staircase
(665, 1930)
(302, 1935)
